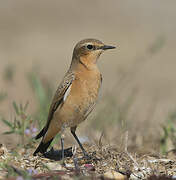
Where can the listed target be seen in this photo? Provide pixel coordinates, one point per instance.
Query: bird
(76, 96)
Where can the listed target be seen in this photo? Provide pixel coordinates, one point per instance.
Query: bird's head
(89, 50)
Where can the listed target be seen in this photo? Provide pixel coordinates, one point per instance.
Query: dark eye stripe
(89, 46)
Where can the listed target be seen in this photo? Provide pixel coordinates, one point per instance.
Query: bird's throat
(88, 63)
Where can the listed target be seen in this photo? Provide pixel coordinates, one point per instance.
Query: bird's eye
(89, 46)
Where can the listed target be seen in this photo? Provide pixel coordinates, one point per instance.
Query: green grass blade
(9, 132)
(9, 124)
(16, 107)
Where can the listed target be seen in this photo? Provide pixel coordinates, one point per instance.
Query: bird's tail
(41, 133)
(42, 147)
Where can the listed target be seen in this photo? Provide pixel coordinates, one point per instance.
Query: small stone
(54, 166)
(1, 152)
(114, 175)
(69, 165)
(89, 167)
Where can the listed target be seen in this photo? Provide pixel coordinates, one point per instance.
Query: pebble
(54, 166)
(114, 175)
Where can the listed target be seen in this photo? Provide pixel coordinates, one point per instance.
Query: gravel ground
(107, 162)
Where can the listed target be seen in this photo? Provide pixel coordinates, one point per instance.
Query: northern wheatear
(77, 94)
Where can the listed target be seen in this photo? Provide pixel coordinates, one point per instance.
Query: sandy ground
(43, 34)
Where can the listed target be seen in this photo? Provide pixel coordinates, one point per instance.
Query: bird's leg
(62, 147)
(73, 129)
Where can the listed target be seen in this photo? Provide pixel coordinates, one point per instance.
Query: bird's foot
(87, 156)
(90, 157)
(57, 154)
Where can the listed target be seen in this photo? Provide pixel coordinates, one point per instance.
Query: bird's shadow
(57, 154)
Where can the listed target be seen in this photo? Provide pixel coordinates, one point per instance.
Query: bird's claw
(87, 156)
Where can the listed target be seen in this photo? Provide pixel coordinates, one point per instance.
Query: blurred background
(138, 92)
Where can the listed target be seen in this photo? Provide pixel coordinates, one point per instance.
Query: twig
(126, 150)
(75, 159)
(100, 139)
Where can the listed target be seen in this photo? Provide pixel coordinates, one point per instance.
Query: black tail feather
(41, 133)
(42, 147)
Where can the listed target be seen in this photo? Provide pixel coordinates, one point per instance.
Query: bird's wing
(61, 94)
(59, 97)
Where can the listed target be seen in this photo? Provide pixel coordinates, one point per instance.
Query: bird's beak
(105, 47)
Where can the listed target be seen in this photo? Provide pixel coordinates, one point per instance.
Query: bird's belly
(78, 104)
